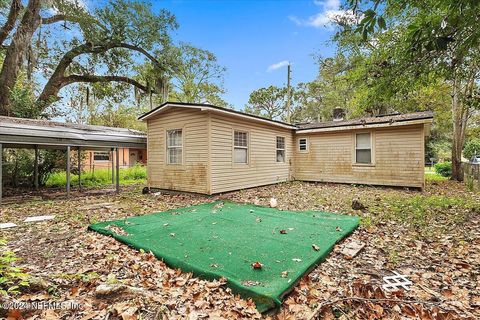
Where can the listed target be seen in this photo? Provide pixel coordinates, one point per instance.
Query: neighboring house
(103, 159)
(208, 149)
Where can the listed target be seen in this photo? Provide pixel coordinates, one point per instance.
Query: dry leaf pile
(432, 237)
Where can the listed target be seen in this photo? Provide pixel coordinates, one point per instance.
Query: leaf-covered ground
(431, 236)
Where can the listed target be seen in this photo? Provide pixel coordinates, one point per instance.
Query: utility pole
(289, 95)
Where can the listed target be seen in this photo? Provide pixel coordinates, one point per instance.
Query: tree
(268, 102)
(107, 41)
(197, 76)
(432, 37)
(193, 76)
(331, 89)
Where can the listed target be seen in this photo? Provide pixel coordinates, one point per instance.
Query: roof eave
(203, 107)
(366, 126)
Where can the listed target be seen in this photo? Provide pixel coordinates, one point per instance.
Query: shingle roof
(368, 120)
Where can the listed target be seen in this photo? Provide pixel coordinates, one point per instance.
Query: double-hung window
(363, 148)
(280, 149)
(174, 146)
(240, 147)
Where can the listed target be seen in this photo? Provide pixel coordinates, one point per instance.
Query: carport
(45, 134)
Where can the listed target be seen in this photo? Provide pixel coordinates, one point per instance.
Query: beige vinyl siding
(192, 174)
(397, 157)
(262, 167)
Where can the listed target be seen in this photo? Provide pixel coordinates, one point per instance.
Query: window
(174, 146)
(101, 156)
(280, 149)
(240, 147)
(302, 144)
(363, 148)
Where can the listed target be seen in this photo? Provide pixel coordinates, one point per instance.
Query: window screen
(174, 146)
(363, 148)
(302, 144)
(240, 147)
(280, 149)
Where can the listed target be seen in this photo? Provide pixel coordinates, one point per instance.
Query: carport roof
(19, 132)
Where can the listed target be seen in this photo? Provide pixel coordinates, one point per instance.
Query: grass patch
(99, 177)
(427, 213)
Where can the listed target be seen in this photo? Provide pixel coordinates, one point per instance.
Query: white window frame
(168, 147)
(241, 147)
(355, 149)
(306, 144)
(280, 149)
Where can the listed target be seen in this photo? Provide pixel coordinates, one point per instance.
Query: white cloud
(277, 65)
(329, 14)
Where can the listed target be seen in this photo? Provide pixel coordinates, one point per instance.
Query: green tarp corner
(223, 239)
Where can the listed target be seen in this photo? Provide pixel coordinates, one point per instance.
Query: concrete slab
(7, 225)
(38, 218)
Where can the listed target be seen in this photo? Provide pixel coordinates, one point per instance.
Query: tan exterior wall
(397, 156)
(191, 175)
(262, 168)
(89, 162)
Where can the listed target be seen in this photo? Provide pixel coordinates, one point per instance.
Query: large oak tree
(100, 45)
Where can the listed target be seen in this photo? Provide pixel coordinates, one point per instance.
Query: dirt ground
(433, 237)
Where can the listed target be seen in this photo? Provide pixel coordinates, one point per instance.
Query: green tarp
(223, 239)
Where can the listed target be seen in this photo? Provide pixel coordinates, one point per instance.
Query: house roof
(20, 131)
(385, 119)
(203, 106)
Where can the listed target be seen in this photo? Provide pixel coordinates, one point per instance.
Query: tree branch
(60, 17)
(109, 78)
(11, 19)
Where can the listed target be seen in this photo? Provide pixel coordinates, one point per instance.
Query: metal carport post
(1, 172)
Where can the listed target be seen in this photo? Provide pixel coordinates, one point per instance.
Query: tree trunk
(459, 115)
(15, 7)
(15, 54)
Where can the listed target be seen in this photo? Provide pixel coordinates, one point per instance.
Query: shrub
(444, 169)
(472, 148)
(11, 277)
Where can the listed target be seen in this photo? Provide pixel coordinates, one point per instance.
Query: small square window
(302, 144)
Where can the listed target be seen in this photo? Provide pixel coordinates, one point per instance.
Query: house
(208, 149)
(103, 159)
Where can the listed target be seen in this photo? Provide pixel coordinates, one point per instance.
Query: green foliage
(472, 148)
(268, 102)
(444, 169)
(99, 177)
(334, 87)
(19, 166)
(120, 116)
(11, 278)
(438, 149)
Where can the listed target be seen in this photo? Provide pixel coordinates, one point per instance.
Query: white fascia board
(365, 126)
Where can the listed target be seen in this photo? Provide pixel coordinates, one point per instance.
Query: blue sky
(248, 37)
